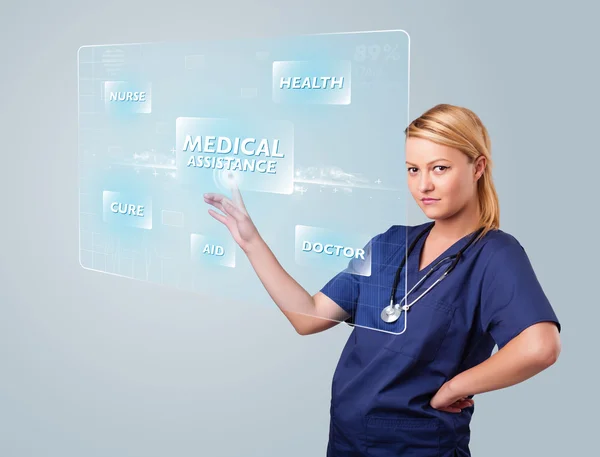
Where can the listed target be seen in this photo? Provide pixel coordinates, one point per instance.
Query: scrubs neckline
(416, 254)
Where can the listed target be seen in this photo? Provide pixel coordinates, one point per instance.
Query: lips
(429, 201)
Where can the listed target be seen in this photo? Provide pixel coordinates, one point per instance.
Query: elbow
(546, 354)
(553, 355)
(542, 345)
(301, 331)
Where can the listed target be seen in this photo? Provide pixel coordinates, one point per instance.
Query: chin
(434, 214)
(430, 212)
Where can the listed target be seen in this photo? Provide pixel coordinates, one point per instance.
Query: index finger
(237, 196)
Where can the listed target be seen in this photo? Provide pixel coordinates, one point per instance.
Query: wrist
(255, 245)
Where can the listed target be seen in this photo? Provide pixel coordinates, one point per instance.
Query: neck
(458, 225)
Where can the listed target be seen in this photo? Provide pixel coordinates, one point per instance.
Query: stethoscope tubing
(391, 312)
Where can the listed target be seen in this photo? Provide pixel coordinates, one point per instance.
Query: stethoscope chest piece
(392, 313)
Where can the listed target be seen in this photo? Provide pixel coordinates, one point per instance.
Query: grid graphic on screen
(310, 127)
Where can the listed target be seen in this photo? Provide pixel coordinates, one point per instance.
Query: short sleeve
(512, 298)
(344, 287)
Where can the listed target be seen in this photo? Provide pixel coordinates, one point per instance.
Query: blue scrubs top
(383, 382)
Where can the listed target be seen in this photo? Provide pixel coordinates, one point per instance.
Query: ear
(480, 164)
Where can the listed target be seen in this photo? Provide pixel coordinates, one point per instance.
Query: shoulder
(497, 240)
(501, 252)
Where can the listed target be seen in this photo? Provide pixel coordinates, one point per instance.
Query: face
(442, 174)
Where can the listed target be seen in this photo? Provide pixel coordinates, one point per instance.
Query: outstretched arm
(307, 314)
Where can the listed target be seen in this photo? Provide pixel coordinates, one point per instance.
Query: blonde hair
(461, 128)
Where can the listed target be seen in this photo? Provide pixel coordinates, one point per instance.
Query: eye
(441, 167)
(412, 169)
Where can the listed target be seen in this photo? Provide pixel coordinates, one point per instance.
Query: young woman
(407, 390)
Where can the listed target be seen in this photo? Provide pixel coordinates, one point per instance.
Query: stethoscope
(392, 312)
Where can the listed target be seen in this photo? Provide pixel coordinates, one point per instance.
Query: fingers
(234, 211)
(215, 203)
(461, 405)
(450, 409)
(455, 408)
(217, 200)
(237, 197)
(218, 216)
(226, 205)
(458, 406)
(214, 196)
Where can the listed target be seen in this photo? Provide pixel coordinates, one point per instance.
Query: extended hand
(236, 217)
(446, 400)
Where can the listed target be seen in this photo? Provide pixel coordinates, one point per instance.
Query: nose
(425, 182)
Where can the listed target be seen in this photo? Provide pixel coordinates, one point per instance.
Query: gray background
(97, 365)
